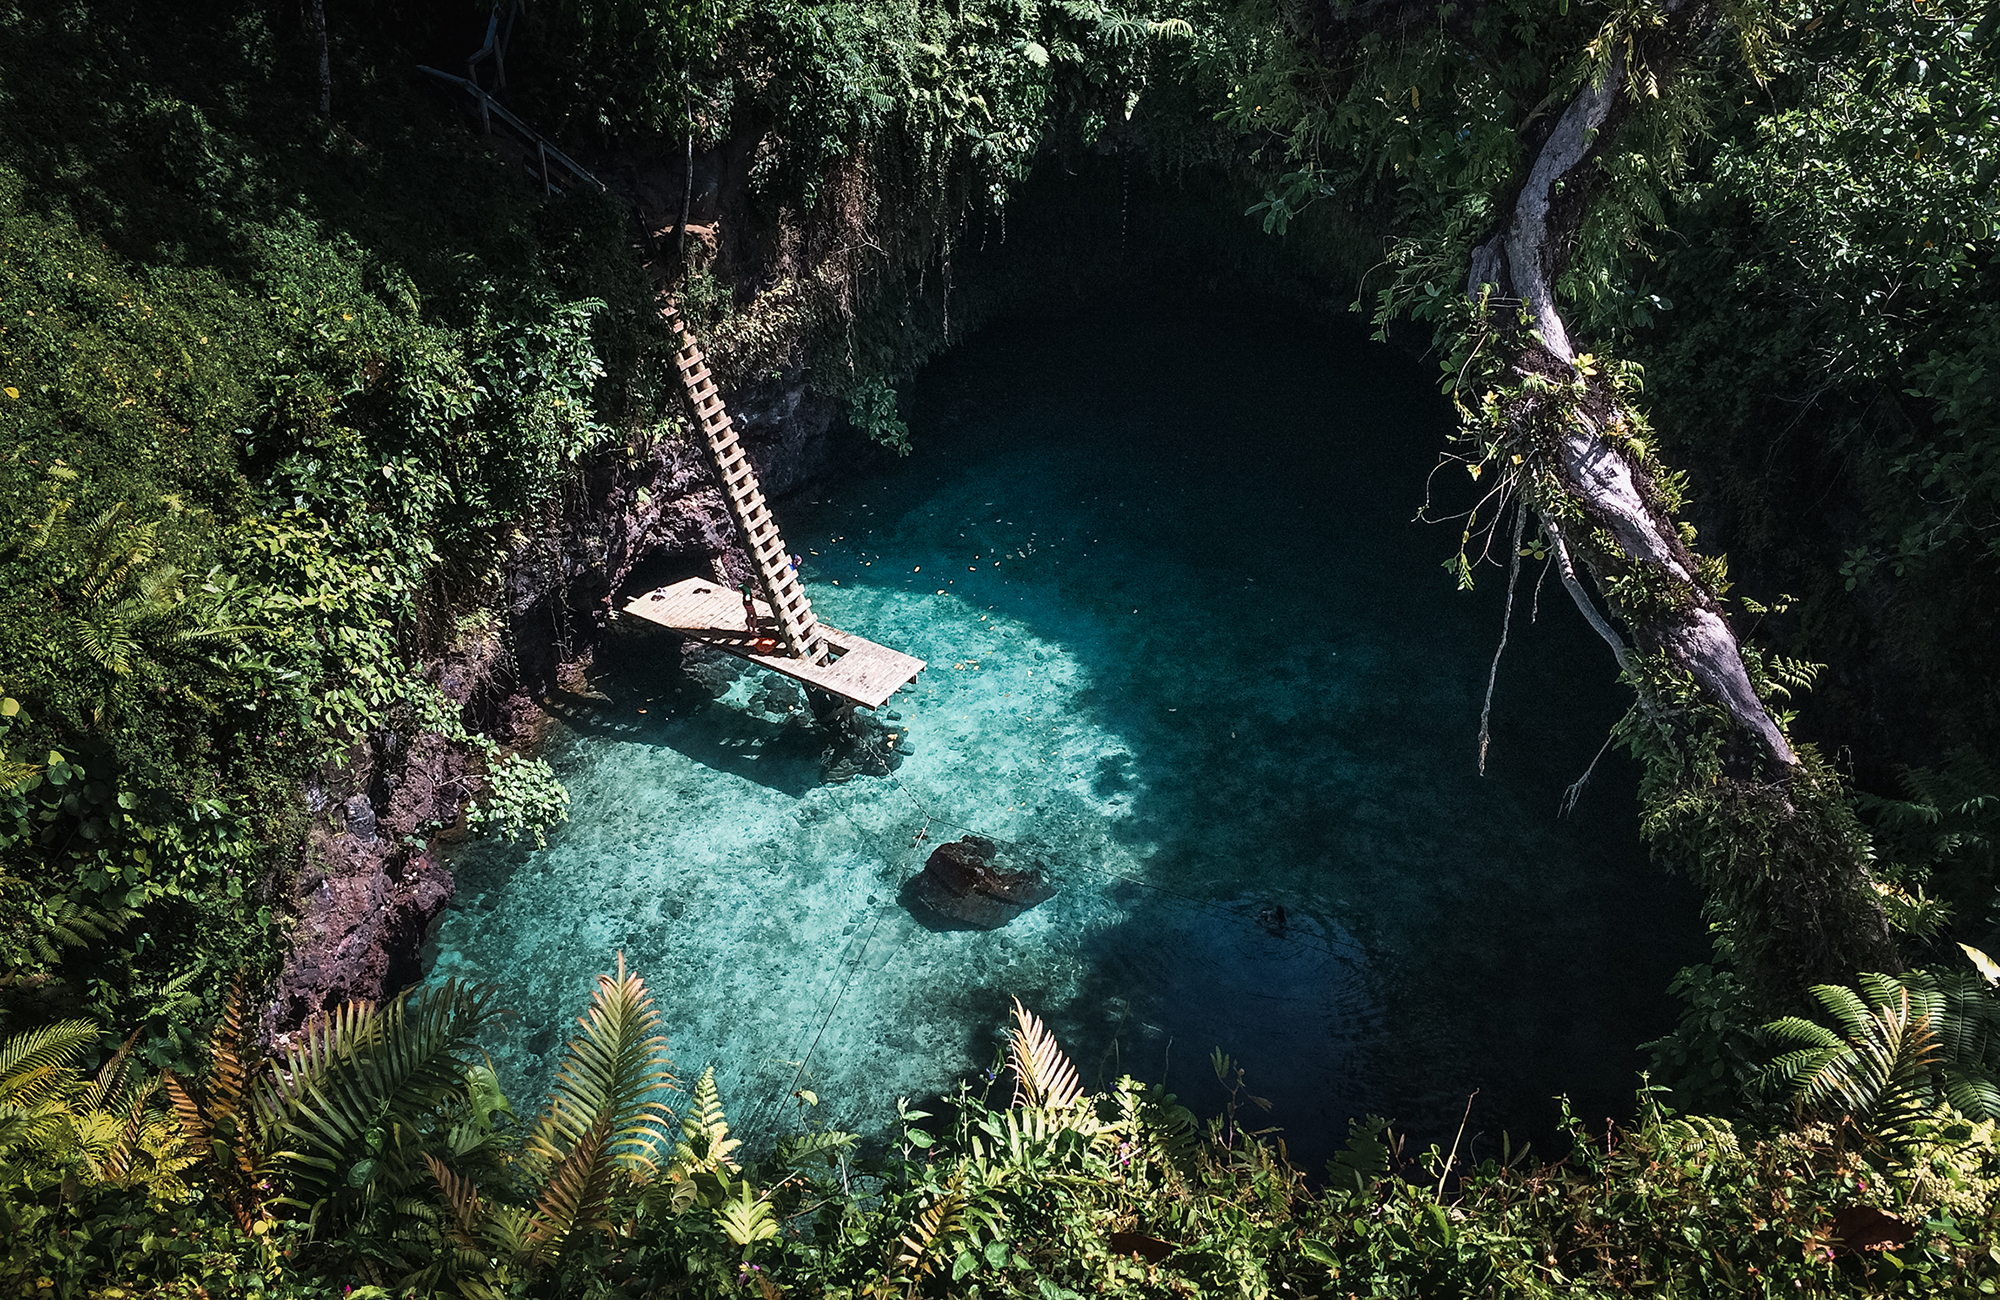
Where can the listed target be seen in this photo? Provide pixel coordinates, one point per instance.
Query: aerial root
(1493, 674)
(1575, 791)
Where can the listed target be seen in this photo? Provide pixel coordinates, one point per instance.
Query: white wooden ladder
(797, 626)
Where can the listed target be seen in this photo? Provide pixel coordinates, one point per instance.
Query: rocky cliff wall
(373, 882)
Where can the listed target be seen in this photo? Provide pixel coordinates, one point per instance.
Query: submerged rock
(962, 882)
(711, 670)
(858, 744)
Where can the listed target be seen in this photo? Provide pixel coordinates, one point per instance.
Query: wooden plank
(706, 611)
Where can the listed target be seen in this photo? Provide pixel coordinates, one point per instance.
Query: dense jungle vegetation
(297, 367)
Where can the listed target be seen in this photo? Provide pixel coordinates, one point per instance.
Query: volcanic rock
(963, 882)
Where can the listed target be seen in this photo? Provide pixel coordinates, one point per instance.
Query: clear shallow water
(1193, 655)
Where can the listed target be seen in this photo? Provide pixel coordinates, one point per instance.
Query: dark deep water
(1192, 653)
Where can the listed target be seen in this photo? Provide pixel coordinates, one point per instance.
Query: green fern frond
(705, 1145)
(827, 1145)
(922, 1246)
(605, 1126)
(1700, 1131)
(1878, 1069)
(747, 1218)
(358, 1093)
(1043, 1076)
(108, 640)
(36, 1061)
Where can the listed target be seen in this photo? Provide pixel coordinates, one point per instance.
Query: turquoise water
(1187, 649)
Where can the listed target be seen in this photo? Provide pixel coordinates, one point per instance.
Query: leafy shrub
(871, 408)
(523, 798)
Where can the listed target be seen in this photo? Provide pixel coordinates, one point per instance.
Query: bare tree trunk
(316, 20)
(1779, 843)
(687, 186)
(1523, 261)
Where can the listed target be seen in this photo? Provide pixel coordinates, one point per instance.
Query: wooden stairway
(797, 627)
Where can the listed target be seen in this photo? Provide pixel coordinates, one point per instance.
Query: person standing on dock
(749, 610)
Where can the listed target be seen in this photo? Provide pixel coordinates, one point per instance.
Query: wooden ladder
(797, 626)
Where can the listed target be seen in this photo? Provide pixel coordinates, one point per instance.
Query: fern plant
(122, 1139)
(605, 1127)
(1898, 1049)
(598, 1143)
(363, 1089)
(221, 1117)
(1043, 1076)
(129, 608)
(57, 1125)
(38, 1082)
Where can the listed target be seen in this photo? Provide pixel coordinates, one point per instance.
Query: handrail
(487, 106)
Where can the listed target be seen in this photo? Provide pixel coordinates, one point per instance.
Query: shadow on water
(1189, 649)
(1297, 693)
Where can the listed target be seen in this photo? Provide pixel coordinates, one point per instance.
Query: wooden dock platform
(857, 670)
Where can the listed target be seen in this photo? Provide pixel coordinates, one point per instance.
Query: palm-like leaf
(1043, 1076)
(37, 1063)
(358, 1094)
(942, 1219)
(39, 1083)
(606, 1125)
(100, 1130)
(1879, 1068)
(227, 1120)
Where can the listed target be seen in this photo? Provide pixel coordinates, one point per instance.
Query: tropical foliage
(380, 1153)
(288, 401)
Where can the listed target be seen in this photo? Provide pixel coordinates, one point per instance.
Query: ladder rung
(782, 587)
